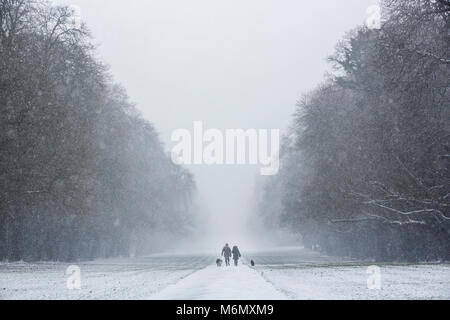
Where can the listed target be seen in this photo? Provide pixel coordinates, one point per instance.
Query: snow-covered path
(226, 283)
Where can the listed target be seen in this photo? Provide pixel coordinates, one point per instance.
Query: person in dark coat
(226, 253)
(236, 255)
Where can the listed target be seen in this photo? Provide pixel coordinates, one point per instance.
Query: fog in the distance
(230, 64)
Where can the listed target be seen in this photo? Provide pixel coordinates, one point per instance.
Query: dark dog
(219, 262)
(252, 263)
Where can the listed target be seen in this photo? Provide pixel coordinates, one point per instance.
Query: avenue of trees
(82, 175)
(365, 169)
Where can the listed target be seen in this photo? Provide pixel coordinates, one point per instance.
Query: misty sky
(232, 64)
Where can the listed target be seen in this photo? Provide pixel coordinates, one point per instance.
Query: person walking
(236, 255)
(226, 253)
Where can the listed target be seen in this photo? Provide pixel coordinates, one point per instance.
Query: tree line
(365, 168)
(82, 174)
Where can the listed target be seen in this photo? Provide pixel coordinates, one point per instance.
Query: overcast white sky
(232, 64)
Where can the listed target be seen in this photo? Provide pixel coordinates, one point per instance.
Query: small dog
(252, 263)
(219, 262)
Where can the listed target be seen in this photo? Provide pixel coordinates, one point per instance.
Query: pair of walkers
(227, 252)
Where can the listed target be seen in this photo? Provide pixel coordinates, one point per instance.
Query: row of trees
(82, 175)
(366, 167)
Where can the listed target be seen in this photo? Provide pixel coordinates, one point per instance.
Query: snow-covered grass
(304, 274)
(108, 279)
(350, 282)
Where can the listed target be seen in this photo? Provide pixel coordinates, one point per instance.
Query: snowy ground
(212, 283)
(109, 279)
(279, 274)
(306, 275)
